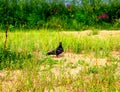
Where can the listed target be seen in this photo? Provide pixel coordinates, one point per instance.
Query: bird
(56, 51)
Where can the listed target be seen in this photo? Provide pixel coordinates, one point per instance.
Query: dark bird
(57, 51)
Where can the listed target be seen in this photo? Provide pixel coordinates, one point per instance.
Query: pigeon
(57, 51)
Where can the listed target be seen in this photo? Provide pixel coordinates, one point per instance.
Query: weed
(95, 32)
(81, 62)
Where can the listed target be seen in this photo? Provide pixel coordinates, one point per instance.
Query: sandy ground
(72, 61)
(102, 33)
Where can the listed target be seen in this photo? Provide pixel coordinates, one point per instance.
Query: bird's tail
(51, 52)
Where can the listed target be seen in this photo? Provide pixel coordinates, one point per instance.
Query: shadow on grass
(12, 60)
(15, 60)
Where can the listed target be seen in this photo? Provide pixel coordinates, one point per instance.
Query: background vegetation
(41, 14)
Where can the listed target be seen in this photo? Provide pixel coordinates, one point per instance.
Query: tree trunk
(6, 34)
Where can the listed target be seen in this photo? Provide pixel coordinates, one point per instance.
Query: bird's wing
(59, 50)
(51, 52)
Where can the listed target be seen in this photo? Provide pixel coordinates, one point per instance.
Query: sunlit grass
(25, 66)
(46, 40)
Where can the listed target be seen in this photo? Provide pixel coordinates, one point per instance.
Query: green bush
(40, 14)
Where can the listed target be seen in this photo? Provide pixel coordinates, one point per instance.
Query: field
(90, 62)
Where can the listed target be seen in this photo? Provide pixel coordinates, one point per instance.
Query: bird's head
(60, 44)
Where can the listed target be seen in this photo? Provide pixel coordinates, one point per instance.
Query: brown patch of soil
(102, 33)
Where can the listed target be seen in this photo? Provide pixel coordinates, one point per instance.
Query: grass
(25, 66)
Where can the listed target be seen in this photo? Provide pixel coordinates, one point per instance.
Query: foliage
(41, 14)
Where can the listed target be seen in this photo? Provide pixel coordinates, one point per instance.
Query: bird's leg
(58, 56)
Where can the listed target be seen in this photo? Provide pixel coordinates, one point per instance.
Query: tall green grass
(45, 40)
(21, 45)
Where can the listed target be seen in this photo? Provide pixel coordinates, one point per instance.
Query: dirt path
(102, 33)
